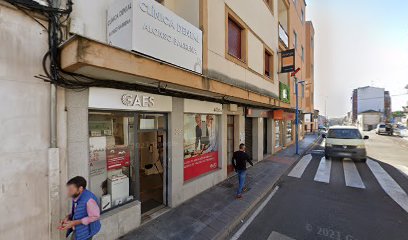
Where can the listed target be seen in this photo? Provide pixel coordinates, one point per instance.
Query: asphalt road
(339, 199)
(392, 150)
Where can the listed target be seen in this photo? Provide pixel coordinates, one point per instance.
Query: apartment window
(303, 16)
(268, 62)
(303, 54)
(295, 39)
(235, 33)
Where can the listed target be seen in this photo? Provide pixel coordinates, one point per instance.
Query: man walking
(83, 221)
(239, 160)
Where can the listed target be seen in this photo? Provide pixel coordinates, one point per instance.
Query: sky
(358, 43)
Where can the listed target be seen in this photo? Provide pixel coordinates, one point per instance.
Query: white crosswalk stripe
(351, 175)
(278, 236)
(323, 171)
(300, 167)
(388, 184)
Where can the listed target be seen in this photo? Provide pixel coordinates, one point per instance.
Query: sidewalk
(214, 213)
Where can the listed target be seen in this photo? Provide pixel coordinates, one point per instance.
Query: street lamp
(293, 74)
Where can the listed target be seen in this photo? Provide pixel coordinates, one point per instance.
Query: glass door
(230, 143)
(151, 154)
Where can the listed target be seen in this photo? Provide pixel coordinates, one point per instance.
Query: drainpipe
(53, 117)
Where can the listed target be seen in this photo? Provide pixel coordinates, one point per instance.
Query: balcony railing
(283, 36)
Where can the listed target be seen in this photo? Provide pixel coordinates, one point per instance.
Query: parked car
(401, 130)
(384, 128)
(345, 142)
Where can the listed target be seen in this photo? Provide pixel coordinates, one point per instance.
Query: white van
(345, 142)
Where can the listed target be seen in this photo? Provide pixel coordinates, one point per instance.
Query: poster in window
(200, 145)
(117, 157)
(97, 164)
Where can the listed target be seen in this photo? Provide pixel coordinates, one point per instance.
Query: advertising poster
(117, 157)
(97, 164)
(200, 145)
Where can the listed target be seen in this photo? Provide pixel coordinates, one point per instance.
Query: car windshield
(344, 133)
(382, 126)
(402, 127)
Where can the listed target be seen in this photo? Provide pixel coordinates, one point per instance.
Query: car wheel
(364, 160)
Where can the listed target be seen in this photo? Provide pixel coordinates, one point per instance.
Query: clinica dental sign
(147, 27)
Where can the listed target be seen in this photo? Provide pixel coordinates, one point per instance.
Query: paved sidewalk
(214, 213)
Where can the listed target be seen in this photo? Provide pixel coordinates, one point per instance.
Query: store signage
(284, 92)
(148, 27)
(259, 113)
(196, 106)
(107, 98)
(282, 115)
(288, 61)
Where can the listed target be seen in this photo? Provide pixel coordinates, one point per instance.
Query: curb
(230, 229)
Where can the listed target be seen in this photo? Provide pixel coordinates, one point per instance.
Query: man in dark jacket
(239, 161)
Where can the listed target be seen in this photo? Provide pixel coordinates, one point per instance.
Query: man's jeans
(241, 180)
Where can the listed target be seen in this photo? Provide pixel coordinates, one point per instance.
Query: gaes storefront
(146, 150)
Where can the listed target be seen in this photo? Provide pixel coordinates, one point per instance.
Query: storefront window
(277, 134)
(200, 144)
(289, 132)
(111, 160)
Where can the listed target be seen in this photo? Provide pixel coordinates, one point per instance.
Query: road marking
(278, 236)
(323, 143)
(242, 229)
(300, 167)
(323, 172)
(388, 184)
(351, 175)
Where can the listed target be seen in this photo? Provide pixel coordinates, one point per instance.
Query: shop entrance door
(230, 143)
(152, 150)
(248, 136)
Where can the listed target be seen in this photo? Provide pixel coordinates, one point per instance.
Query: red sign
(282, 115)
(198, 165)
(117, 157)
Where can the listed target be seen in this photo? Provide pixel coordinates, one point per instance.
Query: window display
(111, 149)
(277, 134)
(289, 132)
(200, 144)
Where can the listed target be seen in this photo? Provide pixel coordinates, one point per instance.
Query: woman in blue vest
(83, 222)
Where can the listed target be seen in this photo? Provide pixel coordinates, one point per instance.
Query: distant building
(371, 99)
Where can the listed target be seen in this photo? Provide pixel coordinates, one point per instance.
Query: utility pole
(297, 108)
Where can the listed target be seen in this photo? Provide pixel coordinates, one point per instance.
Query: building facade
(371, 99)
(166, 91)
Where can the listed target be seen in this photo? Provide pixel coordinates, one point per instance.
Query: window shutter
(234, 39)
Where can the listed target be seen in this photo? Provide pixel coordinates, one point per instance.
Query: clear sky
(358, 43)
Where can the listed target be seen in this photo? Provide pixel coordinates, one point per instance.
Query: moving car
(384, 128)
(345, 142)
(401, 130)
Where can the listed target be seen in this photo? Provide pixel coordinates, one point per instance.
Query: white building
(370, 98)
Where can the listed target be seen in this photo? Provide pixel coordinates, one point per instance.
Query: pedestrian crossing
(352, 177)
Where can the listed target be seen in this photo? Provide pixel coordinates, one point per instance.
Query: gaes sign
(288, 61)
(148, 27)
